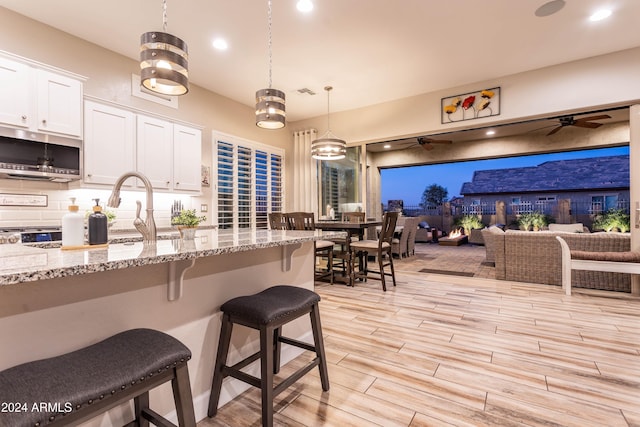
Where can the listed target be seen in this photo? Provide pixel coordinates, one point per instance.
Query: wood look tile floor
(441, 350)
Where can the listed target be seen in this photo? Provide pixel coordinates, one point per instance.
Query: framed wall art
(472, 105)
(31, 200)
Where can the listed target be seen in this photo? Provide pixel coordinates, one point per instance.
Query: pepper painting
(472, 105)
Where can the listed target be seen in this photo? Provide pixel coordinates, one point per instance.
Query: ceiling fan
(584, 122)
(426, 143)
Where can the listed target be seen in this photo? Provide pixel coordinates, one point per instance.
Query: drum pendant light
(164, 61)
(270, 108)
(328, 146)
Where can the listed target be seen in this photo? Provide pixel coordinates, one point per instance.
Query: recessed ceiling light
(600, 15)
(220, 44)
(491, 132)
(304, 6)
(386, 146)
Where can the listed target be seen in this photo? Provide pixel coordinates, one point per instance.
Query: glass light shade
(328, 147)
(164, 63)
(270, 109)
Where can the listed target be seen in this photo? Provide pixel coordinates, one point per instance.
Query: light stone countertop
(27, 263)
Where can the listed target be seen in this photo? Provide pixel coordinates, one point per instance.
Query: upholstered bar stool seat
(267, 312)
(79, 385)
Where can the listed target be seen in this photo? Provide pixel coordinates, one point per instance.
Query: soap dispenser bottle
(97, 225)
(73, 226)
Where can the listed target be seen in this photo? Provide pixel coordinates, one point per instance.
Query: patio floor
(463, 260)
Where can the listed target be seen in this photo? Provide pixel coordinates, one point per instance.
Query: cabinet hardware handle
(44, 121)
(24, 117)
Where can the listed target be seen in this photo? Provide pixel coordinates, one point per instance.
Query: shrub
(612, 219)
(536, 220)
(469, 222)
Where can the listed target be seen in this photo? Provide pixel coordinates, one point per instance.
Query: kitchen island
(54, 301)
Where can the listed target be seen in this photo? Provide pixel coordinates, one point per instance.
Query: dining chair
(399, 244)
(380, 248)
(323, 248)
(411, 238)
(278, 221)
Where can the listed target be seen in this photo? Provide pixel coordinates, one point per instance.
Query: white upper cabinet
(14, 93)
(118, 140)
(39, 100)
(59, 104)
(187, 158)
(154, 147)
(109, 143)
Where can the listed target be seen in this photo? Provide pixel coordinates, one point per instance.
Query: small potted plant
(187, 221)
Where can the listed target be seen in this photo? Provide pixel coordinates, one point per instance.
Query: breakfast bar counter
(53, 301)
(26, 263)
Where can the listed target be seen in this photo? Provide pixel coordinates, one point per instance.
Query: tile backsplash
(59, 200)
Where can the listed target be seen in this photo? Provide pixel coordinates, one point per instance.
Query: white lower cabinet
(119, 141)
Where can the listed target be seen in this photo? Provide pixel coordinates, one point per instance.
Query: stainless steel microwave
(38, 156)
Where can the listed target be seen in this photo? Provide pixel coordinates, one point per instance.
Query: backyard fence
(445, 216)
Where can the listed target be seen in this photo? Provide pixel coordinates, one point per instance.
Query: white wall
(603, 81)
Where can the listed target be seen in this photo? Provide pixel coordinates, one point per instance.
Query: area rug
(450, 273)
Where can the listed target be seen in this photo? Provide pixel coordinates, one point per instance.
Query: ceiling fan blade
(589, 125)
(439, 141)
(554, 130)
(427, 146)
(591, 118)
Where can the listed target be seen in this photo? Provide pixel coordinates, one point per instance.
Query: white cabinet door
(155, 150)
(187, 158)
(109, 143)
(59, 104)
(14, 93)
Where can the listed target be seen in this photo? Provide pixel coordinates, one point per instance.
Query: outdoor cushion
(495, 229)
(567, 228)
(626, 256)
(423, 224)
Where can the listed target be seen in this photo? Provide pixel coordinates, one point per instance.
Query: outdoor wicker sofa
(535, 257)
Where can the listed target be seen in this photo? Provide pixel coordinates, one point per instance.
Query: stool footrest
(295, 377)
(245, 362)
(242, 376)
(155, 418)
(297, 343)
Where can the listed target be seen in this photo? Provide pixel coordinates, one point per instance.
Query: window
(248, 181)
(339, 183)
(603, 203)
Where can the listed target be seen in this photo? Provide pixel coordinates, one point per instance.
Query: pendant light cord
(328, 89)
(164, 16)
(270, 54)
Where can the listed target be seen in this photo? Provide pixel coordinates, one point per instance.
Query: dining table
(354, 230)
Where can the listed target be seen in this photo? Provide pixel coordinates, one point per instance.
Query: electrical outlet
(204, 208)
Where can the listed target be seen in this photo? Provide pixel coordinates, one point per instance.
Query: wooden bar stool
(77, 386)
(267, 312)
